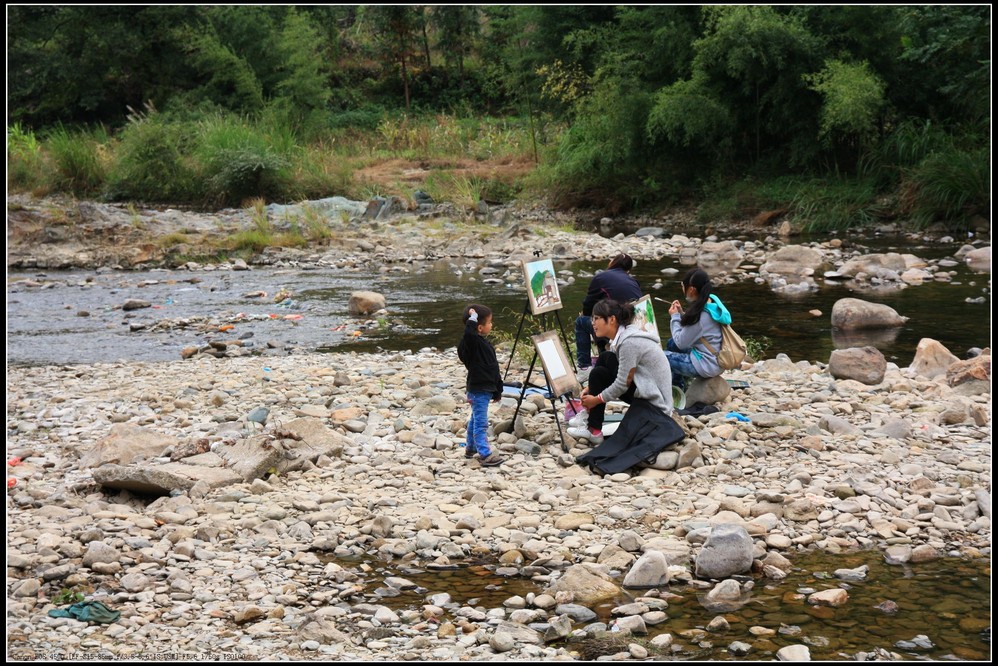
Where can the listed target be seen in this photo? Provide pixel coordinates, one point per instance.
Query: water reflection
(879, 338)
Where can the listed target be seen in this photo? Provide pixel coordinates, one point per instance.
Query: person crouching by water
(634, 368)
(615, 283)
(688, 356)
(484, 381)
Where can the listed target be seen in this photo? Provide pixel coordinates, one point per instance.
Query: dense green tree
(947, 50)
(457, 28)
(755, 59)
(396, 30)
(303, 82)
(91, 63)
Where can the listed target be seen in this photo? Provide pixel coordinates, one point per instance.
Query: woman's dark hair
(484, 312)
(624, 312)
(622, 261)
(698, 279)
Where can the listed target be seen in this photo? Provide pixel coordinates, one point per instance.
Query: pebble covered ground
(238, 571)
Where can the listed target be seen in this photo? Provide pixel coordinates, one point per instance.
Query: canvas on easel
(557, 368)
(644, 316)
(542, 286)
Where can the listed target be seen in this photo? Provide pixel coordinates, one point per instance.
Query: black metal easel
(549, 394)
(519, 330)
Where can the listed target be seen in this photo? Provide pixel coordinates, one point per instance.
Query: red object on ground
(11, 482)
(14, 462)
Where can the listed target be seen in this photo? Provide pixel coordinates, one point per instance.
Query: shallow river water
(942, 608)
(75, 317)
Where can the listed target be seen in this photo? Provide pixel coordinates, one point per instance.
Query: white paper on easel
(552, 360)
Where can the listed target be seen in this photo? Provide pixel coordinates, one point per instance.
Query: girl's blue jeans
(478, 424)
(680, 364)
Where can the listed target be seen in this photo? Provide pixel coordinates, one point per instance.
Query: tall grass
(25, 162)
(829, 204)
(237, 161)
(951, 185)
(78, 159)
(152, 162)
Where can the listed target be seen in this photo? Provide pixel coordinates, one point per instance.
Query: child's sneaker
(579, 419)
(492, 460)
(596, 438)
(469, 452)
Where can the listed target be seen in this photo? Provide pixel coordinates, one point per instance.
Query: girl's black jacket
(479, 356)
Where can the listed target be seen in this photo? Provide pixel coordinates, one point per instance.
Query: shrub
(950, 185)
(367, 117)
(25, 164)
(823, 205)
(78, 165)
(238, 161)
(150, 163)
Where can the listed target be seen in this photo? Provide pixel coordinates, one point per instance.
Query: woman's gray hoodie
(642, 352)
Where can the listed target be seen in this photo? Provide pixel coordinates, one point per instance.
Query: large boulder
(716, 258)
(979, 259)
(864, 364)
(127, 443)
(977, 369)
(162, 479)
(727, 552)
(708, 391)
(588, 584)
(852, 313)
(887, 266)
(365, 302)
(932, 359)
(792, 261)
(309, 439)
(651, 570)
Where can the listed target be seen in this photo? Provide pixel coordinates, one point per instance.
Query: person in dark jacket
(615, 283)
(484, 382)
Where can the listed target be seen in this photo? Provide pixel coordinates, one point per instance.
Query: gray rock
(651, 570)
(163, 479)
(127, 443)
(365, 302)
(501, 641)
(634, 624)
(588, 584)
(98, 551)
(853, 313)
(728, 551)
(520, 633)
(863, 364)
(794, 653)
(708, 391)
(576, 612)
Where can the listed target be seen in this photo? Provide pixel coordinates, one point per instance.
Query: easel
(550, 394)
(539, 278)
(543, 322)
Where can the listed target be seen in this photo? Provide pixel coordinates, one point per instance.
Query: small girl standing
(688, 356)
(484, 382)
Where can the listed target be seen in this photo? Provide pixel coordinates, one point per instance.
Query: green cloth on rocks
(88, 611)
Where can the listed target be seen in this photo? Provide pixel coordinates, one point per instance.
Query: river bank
(237, 571)
(241, 568)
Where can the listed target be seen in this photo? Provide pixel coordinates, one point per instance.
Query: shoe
(492, 460)
(469, 452)
(585, 433)
(583, 374)
(579, 420)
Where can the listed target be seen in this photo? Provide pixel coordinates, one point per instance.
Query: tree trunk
(405, 82)
(426, 47)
